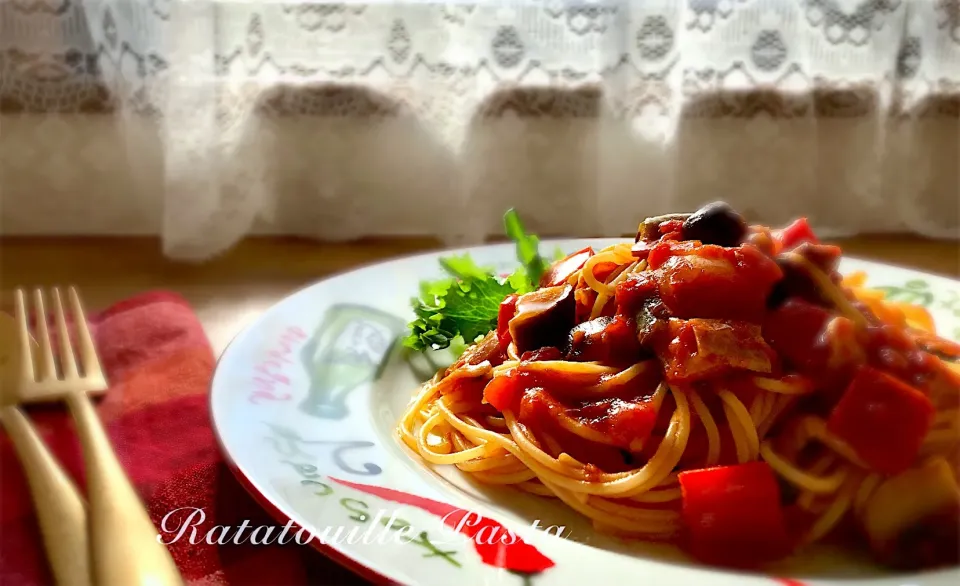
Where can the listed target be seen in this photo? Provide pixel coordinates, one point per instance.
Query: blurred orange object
(895, 313)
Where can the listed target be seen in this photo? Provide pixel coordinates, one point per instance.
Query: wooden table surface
(230, 291)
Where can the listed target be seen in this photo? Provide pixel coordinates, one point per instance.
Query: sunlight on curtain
(204, 120)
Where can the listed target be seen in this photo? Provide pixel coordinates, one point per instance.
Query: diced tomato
(469, 385)
(907, 356)
(642, 249)
(609, 340)
(503, 392)
(678, 235)
(508, 308)
(670, 226)
(661, 251)
(545, 353)
(715, 282)
(706, 348)
(621, 422)
(603, 270)
(535, 412)
(795, 330)
(620, 338)
(796, 233)
(733, 514)
(798, 331)
(560, 271)
(634, 291)
(883, 419)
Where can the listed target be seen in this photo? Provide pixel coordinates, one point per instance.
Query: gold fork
(124, 546)
(61, 512)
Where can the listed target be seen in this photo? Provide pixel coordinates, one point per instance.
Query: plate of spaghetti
(707, 402)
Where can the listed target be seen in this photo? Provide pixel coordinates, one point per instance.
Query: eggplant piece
(544, 318)
(715, 223)
(610, 340)
(653, 321)
(586, 339)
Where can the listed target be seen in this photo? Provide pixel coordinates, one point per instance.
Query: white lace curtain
(204, 120)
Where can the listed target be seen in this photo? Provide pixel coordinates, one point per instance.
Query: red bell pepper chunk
(560, 271)
(796, 233)
(883, 419)
(508, 308)
(733, 514)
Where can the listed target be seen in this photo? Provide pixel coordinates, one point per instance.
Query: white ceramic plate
(305, 402)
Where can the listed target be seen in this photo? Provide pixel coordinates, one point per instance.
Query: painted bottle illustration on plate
(348, 348)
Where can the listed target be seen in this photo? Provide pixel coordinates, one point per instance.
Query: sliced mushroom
(544, 318)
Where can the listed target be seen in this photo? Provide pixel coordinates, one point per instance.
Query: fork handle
(125, 546)
(60, 509)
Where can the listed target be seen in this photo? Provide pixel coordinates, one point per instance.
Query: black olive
(715, 223)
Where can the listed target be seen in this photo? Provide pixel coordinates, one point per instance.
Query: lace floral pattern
(341, 120)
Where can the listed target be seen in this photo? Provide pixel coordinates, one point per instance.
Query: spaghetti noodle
(680, 357)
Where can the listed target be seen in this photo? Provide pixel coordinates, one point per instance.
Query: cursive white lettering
(222, 539)
(243, 526)
(300, 534)
(188, 523)
(266, 538)
(284, 533)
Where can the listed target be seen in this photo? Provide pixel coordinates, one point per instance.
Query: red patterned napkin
(159, 364)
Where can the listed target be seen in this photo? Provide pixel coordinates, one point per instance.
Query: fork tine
(67, 361)
(48, 369)
(26, 359)
(88, 352)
